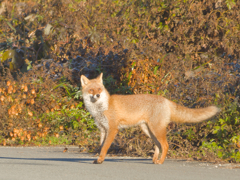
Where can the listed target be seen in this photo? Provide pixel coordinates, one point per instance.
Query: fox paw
(158, 162)
(97, 162)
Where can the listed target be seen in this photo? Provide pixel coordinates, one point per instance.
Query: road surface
(43, 163)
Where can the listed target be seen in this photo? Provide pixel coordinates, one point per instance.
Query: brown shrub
(187, 51)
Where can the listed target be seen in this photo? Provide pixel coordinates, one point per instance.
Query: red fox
(152, 112)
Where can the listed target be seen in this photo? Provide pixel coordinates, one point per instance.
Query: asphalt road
(43, 163)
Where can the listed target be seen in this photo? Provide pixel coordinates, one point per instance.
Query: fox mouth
(92, 99)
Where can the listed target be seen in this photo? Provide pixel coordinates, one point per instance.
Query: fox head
(93, 90)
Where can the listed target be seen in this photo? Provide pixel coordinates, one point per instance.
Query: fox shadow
(89, 160)
(81, 160)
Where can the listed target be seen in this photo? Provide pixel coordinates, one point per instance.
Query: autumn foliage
(187, 51)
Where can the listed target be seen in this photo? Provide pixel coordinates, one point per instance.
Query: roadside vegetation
(185, 50)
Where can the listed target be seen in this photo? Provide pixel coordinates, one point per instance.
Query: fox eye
(99, 90)
(90, 91)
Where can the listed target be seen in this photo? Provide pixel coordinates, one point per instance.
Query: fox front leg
(106, 144)
(102, 136)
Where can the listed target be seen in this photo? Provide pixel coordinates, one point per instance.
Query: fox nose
(98, 95)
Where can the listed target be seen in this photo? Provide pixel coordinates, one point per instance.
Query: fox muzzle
(94, 98)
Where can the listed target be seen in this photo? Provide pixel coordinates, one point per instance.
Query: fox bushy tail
(187, 115)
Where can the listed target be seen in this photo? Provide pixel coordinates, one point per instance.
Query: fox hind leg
(159, 133)
(147, 131)
(161, 137)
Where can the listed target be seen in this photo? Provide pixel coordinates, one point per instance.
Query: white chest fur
(97, 109)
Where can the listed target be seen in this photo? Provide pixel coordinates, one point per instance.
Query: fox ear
(99, 78)
(84, 80)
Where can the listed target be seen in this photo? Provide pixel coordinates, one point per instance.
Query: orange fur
(153, 113)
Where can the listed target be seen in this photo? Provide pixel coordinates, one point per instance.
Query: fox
(151, 112)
